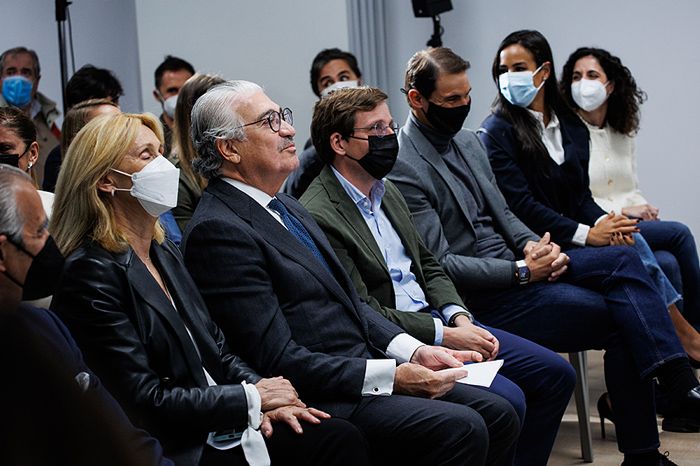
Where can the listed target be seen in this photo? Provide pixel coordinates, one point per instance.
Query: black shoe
(684, 415)
(661, 461)
(605, 412)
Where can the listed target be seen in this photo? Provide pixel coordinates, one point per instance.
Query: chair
(579, 360)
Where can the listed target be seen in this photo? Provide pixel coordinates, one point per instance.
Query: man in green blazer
(369, 226)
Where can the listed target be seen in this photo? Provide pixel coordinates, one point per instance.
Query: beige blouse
(612, 169)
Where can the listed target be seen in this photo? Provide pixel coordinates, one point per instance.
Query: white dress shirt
(379, 373)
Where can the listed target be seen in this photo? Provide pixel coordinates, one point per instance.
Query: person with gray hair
(48, 390)
(275, 287)
(20, 73)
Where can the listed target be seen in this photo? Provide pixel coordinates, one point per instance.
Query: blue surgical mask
(518, 87)
(17, 90)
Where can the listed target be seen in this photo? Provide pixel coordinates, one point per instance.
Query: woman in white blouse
(605, 95)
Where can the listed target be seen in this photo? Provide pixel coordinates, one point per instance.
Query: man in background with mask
(331, 69)
(55, 410)
(368, 224)
(19, 76)
(170, 76)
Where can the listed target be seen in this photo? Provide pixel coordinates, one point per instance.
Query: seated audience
(273, 283)
(19, 147)
(170, 76)
(143, 327)
(368, 224)
(87, 83)
(606, 97)
(55, 410)
(183, 153)
(20, 74)
(331, 69)
(538, 149)
(515, 280)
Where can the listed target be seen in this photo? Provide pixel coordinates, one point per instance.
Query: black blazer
(137, 343)
(55, 409)
(556, 202)
(283, 311)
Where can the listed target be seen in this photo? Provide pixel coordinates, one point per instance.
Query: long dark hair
(623, 104)
(527, 131)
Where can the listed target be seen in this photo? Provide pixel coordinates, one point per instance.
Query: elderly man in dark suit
(274, 285)
(368, 224)
(515, 280)
(55, 410)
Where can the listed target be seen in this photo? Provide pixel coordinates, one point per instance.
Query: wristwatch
(522, 273)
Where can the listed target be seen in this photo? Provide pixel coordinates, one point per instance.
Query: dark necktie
(296, 228)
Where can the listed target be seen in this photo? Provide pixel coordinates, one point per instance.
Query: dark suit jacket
(138, 344)
(555, 202)
(55, 410)
(436, 200)
(357, 250)
(285, 312)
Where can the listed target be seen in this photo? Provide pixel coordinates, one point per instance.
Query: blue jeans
(538, 383)
(663, 284)
(606, 300)
(674, 247)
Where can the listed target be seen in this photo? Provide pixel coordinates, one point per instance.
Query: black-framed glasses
(274, 119)
(379, 129)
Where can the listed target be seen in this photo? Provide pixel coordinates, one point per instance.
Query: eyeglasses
(379, 129)
(274, 119)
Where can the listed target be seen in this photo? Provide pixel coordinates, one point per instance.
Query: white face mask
(589, 94)
(155, 186)
(169, 105)
(339, 85)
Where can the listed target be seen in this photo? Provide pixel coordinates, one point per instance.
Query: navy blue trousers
(538, 383)
(675, 250)
(606, 300)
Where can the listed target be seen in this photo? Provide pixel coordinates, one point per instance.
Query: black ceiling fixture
(432, 9)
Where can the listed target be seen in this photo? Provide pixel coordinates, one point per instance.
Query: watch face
(523, 274)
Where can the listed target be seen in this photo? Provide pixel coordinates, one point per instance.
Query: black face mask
(10, 159)
(381, 156)
(43, 274)
(446, 119)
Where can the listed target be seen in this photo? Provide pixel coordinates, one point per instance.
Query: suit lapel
(427, 152)
(348, 211)
(184, 295)
(281, 239)
(147, 288)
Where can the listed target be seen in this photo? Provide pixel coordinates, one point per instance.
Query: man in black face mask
(55, 410)
(368, 224)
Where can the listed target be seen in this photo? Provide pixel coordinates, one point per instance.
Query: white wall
(656, 40)
(270, 42)
(104, 34)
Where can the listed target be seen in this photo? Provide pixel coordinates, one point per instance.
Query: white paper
(480, 373)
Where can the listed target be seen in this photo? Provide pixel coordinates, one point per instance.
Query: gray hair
(11, 220)
(215, 116)
(17, 51)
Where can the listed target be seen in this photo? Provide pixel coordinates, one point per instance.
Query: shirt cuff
(439, 332)
(379, 377)
(581, 234)
(402, 347)
(451, 311)
(254, 402)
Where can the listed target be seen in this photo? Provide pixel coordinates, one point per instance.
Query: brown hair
(425, 66)
(77, 117)
(336, 114)
(194, 88)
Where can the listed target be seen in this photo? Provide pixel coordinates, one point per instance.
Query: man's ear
(336, 145)
(415, 99)
(3, 242)
(228, 150)
(156, 95)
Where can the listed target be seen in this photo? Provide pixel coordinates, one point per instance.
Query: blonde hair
(80, 210)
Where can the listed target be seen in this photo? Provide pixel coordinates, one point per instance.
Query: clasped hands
(545, 259)
(280, 403)
(613, 229)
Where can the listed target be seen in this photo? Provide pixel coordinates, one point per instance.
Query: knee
(563, 379)
(463, 423)
(503, 420)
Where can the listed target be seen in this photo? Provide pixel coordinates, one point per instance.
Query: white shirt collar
(257, 195)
